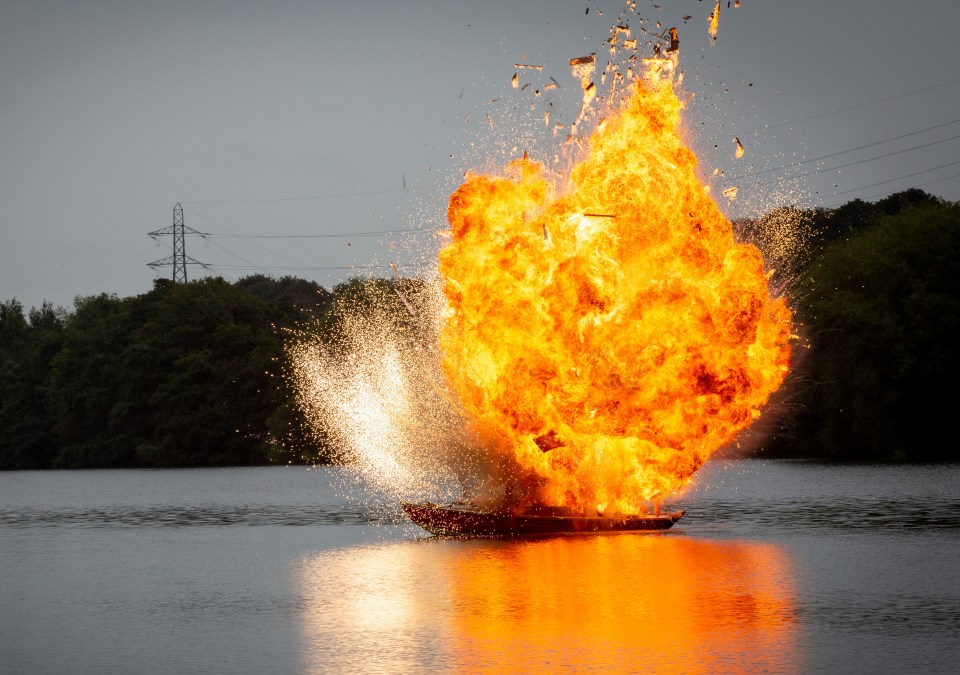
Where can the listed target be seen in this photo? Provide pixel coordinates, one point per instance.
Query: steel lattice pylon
(179, 260)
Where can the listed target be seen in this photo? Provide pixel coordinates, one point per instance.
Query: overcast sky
(273, 120)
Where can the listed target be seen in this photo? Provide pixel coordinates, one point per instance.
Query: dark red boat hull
(466, 521)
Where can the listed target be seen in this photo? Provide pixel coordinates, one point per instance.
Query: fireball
(604, 332)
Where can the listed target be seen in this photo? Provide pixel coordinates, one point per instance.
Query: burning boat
(465, 519)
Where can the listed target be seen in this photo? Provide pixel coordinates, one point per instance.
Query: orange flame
(607, 337)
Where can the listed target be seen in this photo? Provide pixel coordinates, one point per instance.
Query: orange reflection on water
(620, 603)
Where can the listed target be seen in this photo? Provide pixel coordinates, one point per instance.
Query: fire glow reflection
(613, 603)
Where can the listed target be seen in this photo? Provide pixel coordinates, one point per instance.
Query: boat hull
(466, 521)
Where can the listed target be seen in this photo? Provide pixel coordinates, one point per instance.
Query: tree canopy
(880, 309)
(194, 374)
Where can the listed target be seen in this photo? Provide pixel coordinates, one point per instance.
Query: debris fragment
(588, 93)
(548, 441)
(714, 20)
(515, 81)
(489, 121)
(739, 147)
(527, 65)
(403, 299)
(582, 67)
(731, 193)
(674, 41)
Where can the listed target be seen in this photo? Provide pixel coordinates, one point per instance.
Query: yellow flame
(609, 335)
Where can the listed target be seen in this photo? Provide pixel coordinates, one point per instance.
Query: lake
(777, 566)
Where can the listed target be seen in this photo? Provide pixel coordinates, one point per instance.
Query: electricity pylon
(179, 259)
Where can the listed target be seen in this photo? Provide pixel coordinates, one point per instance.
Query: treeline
(193, 374)
(878, 318)
(184, 375)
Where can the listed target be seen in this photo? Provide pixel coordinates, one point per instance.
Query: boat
(468, 520)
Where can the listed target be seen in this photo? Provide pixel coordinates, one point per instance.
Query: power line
(346, 235)
(862, 161)
(855, 107)
(299, 268)
(249, 265)
(333, 195)
(208, 236)
(893, 180)
(843, 152)
(916, 185)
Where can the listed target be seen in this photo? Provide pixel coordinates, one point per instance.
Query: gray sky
(336, 118)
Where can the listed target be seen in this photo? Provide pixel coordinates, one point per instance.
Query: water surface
(777, 567)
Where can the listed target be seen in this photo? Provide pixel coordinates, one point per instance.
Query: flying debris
(731, 193)
(548, 441)
(714, 21)
(674, 41)
(527, 65)
(515, 81)
(739, 147)
(489, 121)
(583, 66)
(403, 298)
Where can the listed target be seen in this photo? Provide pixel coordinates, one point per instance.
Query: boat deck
(467, 520)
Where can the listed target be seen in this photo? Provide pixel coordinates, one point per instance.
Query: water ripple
(835, 513)
(202, 515)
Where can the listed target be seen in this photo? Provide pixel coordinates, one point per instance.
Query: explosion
(599, 334)
(608, 336)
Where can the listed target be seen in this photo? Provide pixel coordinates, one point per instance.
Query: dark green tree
(26, 348)
(883, 310)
